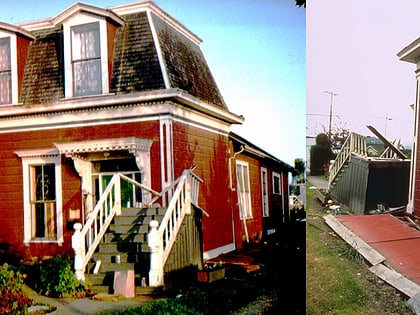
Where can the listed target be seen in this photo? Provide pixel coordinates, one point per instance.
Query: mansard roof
(152, 51)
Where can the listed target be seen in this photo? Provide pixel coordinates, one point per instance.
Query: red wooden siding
(11, 182)
(22, 54)
(207, 150)
(111, 32)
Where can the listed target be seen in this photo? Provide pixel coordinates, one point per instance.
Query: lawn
(337, 278)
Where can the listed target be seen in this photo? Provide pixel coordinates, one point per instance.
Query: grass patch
(331, 284)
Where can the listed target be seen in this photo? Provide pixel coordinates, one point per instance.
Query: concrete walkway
(319, 182)
(86, 306)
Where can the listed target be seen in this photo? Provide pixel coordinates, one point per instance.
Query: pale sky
(352, 50)
(255, 50)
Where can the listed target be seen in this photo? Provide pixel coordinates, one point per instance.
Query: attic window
(86, 59)
(5, 72)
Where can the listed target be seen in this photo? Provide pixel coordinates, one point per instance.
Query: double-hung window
(5, 72)
(43, 201)
(243, 189)
(86, 59)
(42, 196)
(276, 184)
(264, 192)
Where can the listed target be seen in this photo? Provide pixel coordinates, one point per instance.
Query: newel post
(156, 254)
(77, 242)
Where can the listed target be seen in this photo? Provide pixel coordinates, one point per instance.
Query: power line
(332, 94)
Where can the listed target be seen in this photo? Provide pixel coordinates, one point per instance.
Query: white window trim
(76, 20)
(38, 157)
(250, 214)
(13, 66)
(264, 186)
(280, 183)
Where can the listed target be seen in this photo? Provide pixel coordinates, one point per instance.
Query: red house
(411, 54)
(111, 118)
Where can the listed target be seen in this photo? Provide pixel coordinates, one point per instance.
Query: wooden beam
(388, 144)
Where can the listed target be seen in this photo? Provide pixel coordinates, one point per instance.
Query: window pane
(49, 182)
(5, 88)
(86, 42)
(5, 54)
(87, 77)
(39, 220)
(239, 177)
(276, 184)
(5, 72)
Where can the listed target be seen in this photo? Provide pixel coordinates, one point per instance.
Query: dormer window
(86, 59)
(88, 34)
(5, 72)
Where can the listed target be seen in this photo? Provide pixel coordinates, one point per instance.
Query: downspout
(233, 189)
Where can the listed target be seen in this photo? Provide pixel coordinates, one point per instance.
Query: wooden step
(125, 237)
(125, 219)
(142, 211)
(128, 229)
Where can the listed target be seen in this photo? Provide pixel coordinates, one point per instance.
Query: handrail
(354, 144)
(94, 229)
(86, 239)
(162, 237)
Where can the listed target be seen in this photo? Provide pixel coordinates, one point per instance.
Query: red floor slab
(392, 238)
(379, 228)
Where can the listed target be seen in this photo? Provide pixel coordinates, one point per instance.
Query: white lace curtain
(5, 71)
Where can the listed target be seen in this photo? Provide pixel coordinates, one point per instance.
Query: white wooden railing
(355, 144)
(162, 236)
(86, 238)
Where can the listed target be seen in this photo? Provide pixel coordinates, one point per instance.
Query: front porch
(151, 240)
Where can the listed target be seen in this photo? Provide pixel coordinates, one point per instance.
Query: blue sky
(255, 50)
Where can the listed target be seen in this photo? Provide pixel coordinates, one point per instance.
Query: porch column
(84, 169)
(143, 163)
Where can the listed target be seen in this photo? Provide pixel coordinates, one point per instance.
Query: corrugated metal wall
(351, 185)
(365, 183)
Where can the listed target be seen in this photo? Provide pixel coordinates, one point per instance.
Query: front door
(131, 195)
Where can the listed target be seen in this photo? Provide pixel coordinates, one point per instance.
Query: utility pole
(386, 122)
(332, 94)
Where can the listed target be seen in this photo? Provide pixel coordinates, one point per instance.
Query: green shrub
(13, 300)
(57, 278)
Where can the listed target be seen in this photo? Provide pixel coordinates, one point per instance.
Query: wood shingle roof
(141, 61)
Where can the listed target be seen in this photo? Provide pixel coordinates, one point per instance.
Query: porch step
(104, 283)
(129, 228)
(125, 238)
(124, 247)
